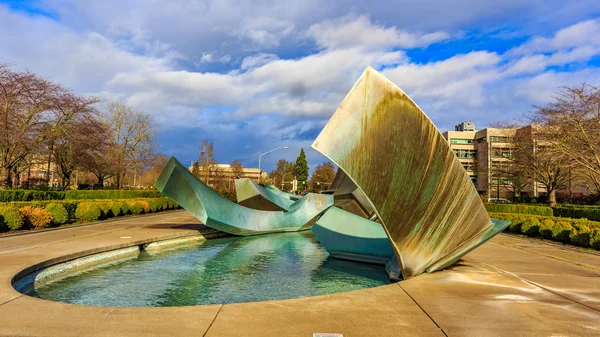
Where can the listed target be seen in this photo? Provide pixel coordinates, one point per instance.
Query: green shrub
(135, 207)
(165, 203)
(11, 218)
(88, 211)
(516, 223)
(116, 208)
(581, 235)
(111, 194)
(106, 209)
(58, 212)
(578, 212)
(155, 205)
(71, 207)
(546, 227)
(29, 195)
(561, 231)
(531, 226)
(595, 238)
(36, 217)
(518, 208)
(125, 208)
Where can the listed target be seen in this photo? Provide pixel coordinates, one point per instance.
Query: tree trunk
(49, 163)
(17, 178)
(8, 178)
(66, 183)
(552, 198)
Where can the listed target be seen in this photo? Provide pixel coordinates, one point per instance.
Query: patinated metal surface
(252, 195)
(349, 197)
(215, 211)
(350, 237)
(424, 198)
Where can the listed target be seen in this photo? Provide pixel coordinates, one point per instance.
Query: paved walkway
(508, 287)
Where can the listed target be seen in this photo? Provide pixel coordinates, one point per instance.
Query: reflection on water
(229, 270)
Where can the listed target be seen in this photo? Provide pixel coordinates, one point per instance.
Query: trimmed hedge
(135, 207)
(88, 211)
(36, 217)
(58, 212)
(578, 212)
(517, 208)
(111, 194)
(29, 195)
(10, 218)
(580, 232)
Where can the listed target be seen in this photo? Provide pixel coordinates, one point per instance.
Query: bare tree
(322, 177)
(24, 112)
(283, 167)
(206, 161)
(130, 134)
(237, 169)
(535, 157)
(150, 173)
(32, 112)
(572, 127)
(73, 144)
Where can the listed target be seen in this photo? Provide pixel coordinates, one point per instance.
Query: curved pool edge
(51, 271)
(466, 287)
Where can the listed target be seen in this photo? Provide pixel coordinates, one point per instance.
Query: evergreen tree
(301, 169)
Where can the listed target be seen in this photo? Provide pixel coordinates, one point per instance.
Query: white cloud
(84, 61)
(206, 58)
(582, 34)
(225, 59)
(257, 60)
(264, 31)
(540, 88)
(361, 32)
(260, 82)
(457, 80)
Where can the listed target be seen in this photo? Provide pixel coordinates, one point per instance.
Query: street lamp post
(262, 154)
(283, 178)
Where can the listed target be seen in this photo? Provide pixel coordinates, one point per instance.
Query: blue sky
(254, 75)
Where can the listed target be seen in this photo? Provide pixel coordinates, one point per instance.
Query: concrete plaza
(510, 286)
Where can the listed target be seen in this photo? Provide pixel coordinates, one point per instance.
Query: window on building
(461, 141)
(501, 152)
(465, 153)
(499, 139)
(481, 140)
(470, 167)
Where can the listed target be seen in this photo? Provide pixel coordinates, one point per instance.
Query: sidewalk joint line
(12, 299)
(538, 285)
(554, 257)
(213, 321)
(425, 312)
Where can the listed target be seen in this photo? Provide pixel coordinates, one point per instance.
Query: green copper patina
(215, 211)
(351, 237)
(395, 155)
(348, 236)
(267, 198)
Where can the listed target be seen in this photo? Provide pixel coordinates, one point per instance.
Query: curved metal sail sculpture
(422, 196)
(215, 211)
(267, 198)
(347, 236)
